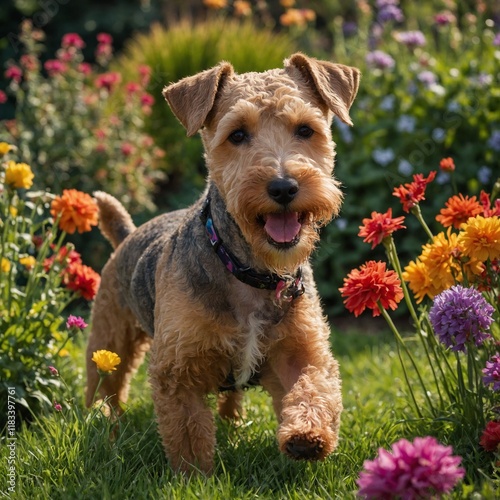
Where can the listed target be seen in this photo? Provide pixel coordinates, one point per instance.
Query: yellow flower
(28, 262)
(417, 276)
(4, 148)
(19, 175)
(215, 4)
(5, 265)
(106, 361)
(13, 210)
(479, 238)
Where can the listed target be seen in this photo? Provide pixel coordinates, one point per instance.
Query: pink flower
(76, 322)
(421, 469)
(57, 406)
(14, 73)
(29, 62)
(108, 81)
(72, 40)
(132, 88)
(85, 68)
(54, 67)
(3, 97)
(105, 38)
(127, 148)
(147, 100)
(145, 73)
(53, 371)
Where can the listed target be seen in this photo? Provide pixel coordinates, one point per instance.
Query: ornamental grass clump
(40, 277)
(451, 292)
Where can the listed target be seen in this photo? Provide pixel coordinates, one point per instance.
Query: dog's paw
(304, 447)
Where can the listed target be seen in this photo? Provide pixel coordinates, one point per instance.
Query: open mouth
(282, 229)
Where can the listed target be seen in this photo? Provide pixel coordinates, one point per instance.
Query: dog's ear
(336, 84)
(192, 98)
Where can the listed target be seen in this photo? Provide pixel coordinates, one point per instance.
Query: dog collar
(286, 289)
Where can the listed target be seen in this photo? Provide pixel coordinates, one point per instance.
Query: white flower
(383, 156)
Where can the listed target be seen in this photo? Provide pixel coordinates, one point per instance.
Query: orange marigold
(458, 210)
(379, 227)
(447, 165)
(77, 211)
(479, 238)
(370, 285)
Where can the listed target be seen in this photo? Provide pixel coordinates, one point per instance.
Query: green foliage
(34, 293)
(66, 126)
(183, 50)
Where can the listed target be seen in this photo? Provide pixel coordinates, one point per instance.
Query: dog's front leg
(185, 422)
(306, 387)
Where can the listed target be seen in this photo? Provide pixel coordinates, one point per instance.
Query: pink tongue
(282, 228)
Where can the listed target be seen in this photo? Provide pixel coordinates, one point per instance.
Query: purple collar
(286, 289)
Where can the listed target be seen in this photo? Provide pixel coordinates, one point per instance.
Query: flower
(54, 67)
(458, 210)
(215, 4)
(76, 211)
(4, 265)
(490, 438)
(411, 39)
(75, 322)
(379, 227)
(19, 175)
(489, 211)
(82, 279)
(14, 73)
(53, 371)
(380, 59)
(104, 38)
(242, 8)
(3, 97)
(412, 193)
(5, 147)
(480, 238)
(57, 406)
(389, 12)
(106, 361)
(428, 78)
(447, 165)
(147, 99)
(492, 372)
(28, 262)
(72, 40)
(460, 315)
(108, 81)
(370, 286)
(493, 141)
(444, 18)
(410, 471)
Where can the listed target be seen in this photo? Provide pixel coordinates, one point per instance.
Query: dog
(222, 293)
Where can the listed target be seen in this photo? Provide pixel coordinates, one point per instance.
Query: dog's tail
(115, 222)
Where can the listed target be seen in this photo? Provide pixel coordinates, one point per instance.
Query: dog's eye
(304, 131)
(238, 136)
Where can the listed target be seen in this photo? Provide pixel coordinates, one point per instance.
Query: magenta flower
(72, 40)
(3, 97)
(410, 471)
(460, 315)
(108, 81)
(147, 99)
(14, 73)
(75, 322)
(105, 38)
(54, 67)
(57, 406)
(380, 59)
(492, 372)
(53, 371)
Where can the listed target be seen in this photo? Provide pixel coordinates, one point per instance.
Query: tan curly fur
(270, 158)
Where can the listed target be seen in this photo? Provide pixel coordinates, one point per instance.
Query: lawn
(77, 454)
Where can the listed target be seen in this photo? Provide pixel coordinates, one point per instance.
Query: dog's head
(269, 150)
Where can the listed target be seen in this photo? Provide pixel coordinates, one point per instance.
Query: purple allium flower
(421, 469)
(496, 40)
(411, 38)
(460, 315)
(380, 59)
(427, 78)
(492, 372)
(444, 18)
(494, 140)
(349, 28)
(75, 321)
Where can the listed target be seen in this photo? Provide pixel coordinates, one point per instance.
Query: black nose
(283, 191)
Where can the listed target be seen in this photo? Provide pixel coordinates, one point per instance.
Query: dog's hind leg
(229, 404)
(114, 329)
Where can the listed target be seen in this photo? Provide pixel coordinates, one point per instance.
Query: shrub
(184, 50)
(40, 277)
(71, 123)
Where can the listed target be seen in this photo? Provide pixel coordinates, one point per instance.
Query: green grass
(71, 454)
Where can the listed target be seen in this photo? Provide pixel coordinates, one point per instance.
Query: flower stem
(418, 214)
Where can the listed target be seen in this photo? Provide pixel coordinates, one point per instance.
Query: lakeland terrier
(223, 292)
